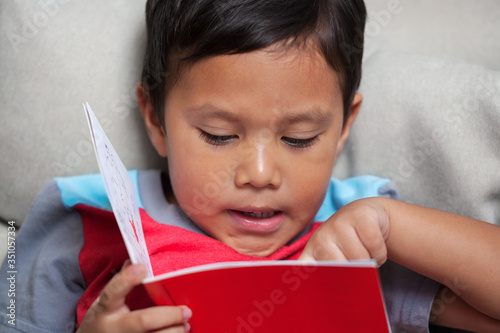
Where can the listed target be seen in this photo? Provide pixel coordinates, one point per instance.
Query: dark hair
(184, 31)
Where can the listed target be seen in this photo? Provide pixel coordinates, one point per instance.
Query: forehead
(274, 78)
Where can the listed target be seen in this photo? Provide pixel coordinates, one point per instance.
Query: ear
(356, 104)
(153, 125)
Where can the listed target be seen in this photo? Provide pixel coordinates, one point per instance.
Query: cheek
(197, 179)
(311, 179)
(184, 167)
(186, 174)
(311, 185)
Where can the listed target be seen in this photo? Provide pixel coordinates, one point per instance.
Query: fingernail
(187, 327)
(126, 263)
(307, 258)
(135, 271)
(187, 313)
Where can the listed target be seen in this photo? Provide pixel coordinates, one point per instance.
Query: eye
(217, 140)
(300, 143)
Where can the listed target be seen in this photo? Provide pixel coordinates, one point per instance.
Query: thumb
(113, 295)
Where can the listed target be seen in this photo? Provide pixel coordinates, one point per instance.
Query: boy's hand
(109, 313)
(356, 231)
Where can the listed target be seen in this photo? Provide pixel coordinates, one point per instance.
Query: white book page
(259, 263)
(121, 193)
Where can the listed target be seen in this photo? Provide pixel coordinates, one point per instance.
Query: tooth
(260, 215)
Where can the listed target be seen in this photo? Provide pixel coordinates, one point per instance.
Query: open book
(247, 297)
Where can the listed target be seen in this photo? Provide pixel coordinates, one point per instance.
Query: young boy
(251, 102)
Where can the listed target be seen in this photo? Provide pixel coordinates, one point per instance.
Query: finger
(328, 252)
(158, 317)
(126, 263)
(351, 245)
(322, 248)
(373, 240)
(113, 295)
(305, 256)
(175, 329)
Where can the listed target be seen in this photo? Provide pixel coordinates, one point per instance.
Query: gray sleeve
(48, 281)
(389, 191)
(408, 297)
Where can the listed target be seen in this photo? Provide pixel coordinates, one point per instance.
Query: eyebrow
(314, 115)
(210, 111)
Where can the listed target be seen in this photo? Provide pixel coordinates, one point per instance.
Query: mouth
(259, 221)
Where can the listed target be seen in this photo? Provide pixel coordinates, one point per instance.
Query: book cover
(276, 296)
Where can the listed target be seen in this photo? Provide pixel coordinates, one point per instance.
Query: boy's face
(251, 140)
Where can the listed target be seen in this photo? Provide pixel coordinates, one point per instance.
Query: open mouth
(257, 221)
(260, 215)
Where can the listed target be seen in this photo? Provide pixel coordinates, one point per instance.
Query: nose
(259, 168)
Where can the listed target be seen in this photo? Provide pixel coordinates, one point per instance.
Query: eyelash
(300, 143)
(217, 140)
(220, 140)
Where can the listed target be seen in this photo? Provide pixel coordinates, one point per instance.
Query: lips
(260, 221)
(259, 215)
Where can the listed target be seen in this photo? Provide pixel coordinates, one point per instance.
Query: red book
(276, 296)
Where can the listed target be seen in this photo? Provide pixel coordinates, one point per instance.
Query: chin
(253, 250)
